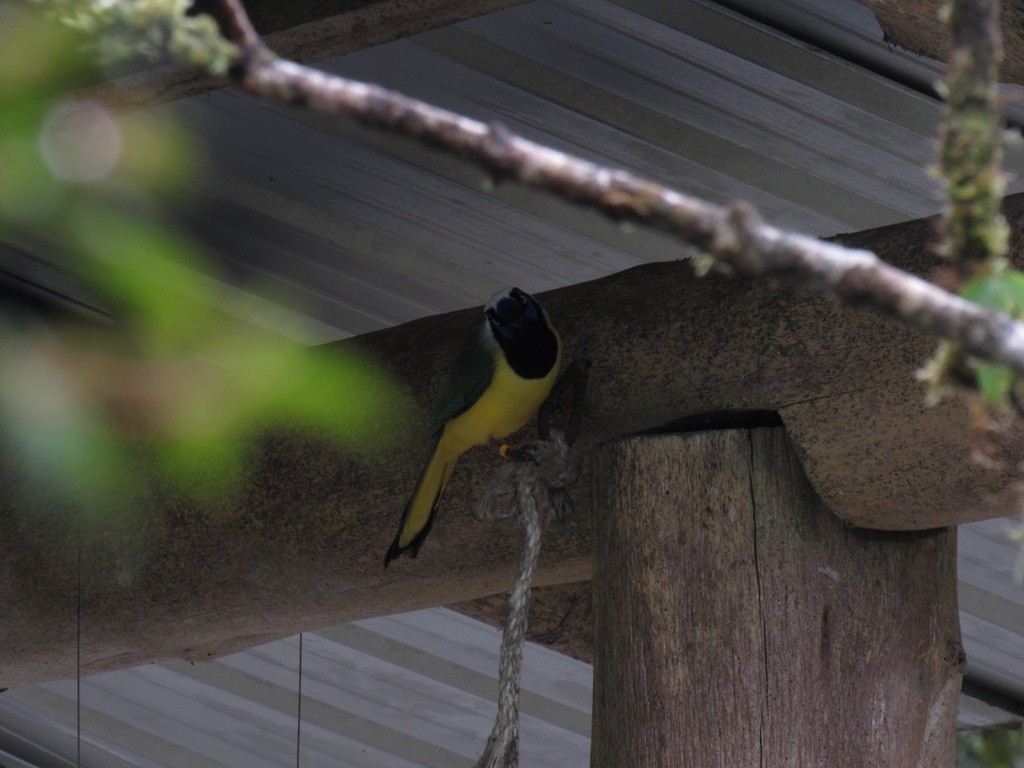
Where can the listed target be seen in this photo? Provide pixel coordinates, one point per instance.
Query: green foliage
(147, 29)
(990, 749)
(1003, 291)
(183, 384)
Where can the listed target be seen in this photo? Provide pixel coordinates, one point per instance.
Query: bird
(499, 380)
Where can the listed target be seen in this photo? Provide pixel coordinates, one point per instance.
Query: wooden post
(739, 623)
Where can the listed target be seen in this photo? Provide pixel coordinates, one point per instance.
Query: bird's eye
(522, 298)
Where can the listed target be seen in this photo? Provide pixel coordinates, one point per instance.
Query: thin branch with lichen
(731, 240)
(734, 240)
(975, 234)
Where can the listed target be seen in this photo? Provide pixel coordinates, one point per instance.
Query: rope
(533, 485)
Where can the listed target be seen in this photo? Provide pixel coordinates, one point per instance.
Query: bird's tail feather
(419, 512)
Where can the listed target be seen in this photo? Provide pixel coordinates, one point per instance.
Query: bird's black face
(521, 329)
(512, 311)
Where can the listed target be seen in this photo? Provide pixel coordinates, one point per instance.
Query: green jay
(499, 380)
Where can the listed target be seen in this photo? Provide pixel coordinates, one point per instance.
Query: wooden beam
(738, 622)
(306, 31)
(918, 27)
(302, 545)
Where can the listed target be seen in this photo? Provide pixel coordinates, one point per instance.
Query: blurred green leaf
(38, 60)
(28, 194)
(994, 382)
(1003, 292)
(180, 389)
(990, 749)
(158, 154)
(151, 273)
(1014, 282)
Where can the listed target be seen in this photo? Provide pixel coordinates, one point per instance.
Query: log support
(739, 622)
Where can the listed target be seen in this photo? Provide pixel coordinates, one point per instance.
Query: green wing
(471, 374)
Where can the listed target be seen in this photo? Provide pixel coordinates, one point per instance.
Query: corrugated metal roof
(416, 689)
(412, 690)
(992, 608)
(796, 106)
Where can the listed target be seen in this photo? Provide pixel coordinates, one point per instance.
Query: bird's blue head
(511, 311)
(523, 332)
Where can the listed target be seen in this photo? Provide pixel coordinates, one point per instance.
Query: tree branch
(735, 238)
(240, 26)
(970, 160)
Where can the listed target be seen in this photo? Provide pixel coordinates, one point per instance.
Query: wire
(298, 719)
(78, 649)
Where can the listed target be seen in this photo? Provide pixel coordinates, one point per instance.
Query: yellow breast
(505, 406)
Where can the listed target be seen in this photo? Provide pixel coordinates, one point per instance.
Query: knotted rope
(533, 485)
